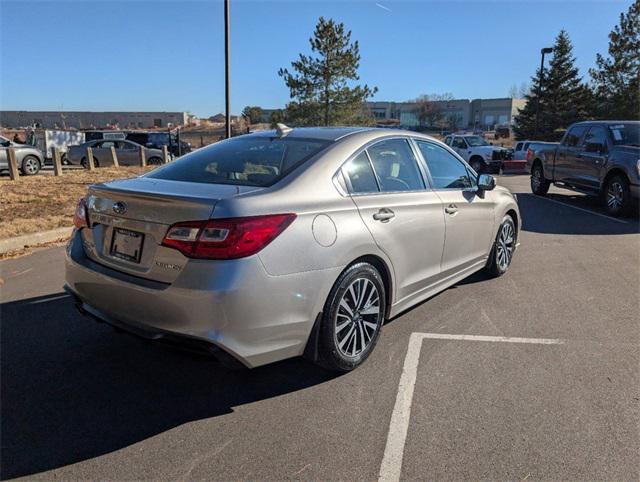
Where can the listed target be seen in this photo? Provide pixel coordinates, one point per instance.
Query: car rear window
(252, 161)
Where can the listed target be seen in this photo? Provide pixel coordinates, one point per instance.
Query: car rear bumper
(235, 305)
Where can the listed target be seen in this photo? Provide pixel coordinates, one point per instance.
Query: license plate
(127, 244)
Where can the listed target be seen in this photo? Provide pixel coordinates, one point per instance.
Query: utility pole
(546, 50)
(227, 93)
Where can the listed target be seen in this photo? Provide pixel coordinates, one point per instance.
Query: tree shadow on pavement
(540, 215)
(73, 389)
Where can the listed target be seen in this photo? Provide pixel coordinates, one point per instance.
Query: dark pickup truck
(601, 158)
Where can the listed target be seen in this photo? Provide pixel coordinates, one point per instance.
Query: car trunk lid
(130, 218)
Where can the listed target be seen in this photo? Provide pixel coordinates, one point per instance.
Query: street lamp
(227, 94)
(546, 50)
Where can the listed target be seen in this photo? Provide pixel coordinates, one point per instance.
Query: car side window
(459, 143)
(574, 136)
(595, 140)
(106, 144)
(447, 140)
(360, 174)
(519, 146)
(447, 171)
(395, 166)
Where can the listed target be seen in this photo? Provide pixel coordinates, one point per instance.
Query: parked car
(156, 140)
(520, 150)
(289, 242)
(600, 158)
(482, 156)
(128, 153)
(29, 159)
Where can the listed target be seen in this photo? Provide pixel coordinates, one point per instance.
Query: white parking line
(391, 466)
(583, 210)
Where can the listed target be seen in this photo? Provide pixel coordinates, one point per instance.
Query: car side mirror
(486, 182)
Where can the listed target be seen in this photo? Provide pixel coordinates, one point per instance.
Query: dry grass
(45, 202)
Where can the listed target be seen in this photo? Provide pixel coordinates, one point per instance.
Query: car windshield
(475, 141)
(252, 161)
(625, 134)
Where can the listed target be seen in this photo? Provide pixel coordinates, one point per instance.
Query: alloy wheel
(357, 317)
(615, 196)
(505, 245)
(30, 165)
(536, 179)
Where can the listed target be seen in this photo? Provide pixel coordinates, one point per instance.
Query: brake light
(81, 215)
(229, 238)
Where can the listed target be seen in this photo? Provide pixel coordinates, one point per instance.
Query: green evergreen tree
(616, 79)
(321, 86)
(525, 121)
(564, 98)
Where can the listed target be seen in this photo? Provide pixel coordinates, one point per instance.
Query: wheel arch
(478, 157)
(613, 172)
(514, 215)
(385, 272)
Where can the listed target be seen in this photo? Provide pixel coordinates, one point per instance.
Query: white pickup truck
(481, 156)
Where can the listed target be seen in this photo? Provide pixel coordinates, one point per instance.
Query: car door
(567, 158)
(404, 217)
(102, 151)
(469, 217)
(592, 158)
(129, 152)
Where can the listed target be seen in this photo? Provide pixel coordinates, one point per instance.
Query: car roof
(607, 122)
(322, 133)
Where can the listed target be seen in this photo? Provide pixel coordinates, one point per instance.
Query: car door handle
(451, 209)
(384, 215)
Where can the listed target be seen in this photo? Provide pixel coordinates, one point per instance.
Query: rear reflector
(80, 216)
(228, 238)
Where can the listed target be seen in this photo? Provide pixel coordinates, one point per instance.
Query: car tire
(539, 185)
(154, 161)
(616, 195)
(30, 166)
(83, 162)
(352, 318)
(477, 165)
(503, 248)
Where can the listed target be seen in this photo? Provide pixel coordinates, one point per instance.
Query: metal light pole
(546, 50)
(227, 94)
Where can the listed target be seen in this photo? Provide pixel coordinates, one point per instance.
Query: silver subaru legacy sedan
(287, 242)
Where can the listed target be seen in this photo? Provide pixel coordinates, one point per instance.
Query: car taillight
(228, 238)
(529, 154)
(81, 215)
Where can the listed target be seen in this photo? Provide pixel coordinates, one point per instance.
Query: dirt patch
(45, 202)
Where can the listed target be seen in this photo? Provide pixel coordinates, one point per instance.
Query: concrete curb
(21, 242)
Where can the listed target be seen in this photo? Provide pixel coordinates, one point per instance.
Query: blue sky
(168, 55)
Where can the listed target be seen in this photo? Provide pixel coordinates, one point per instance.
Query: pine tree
(564, 99)
(525, 121)
(616, 80)
(320, 87)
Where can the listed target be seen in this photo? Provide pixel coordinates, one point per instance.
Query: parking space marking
(391, 466)
(584, 210)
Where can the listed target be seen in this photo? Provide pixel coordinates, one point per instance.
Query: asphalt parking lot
(562, 401)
